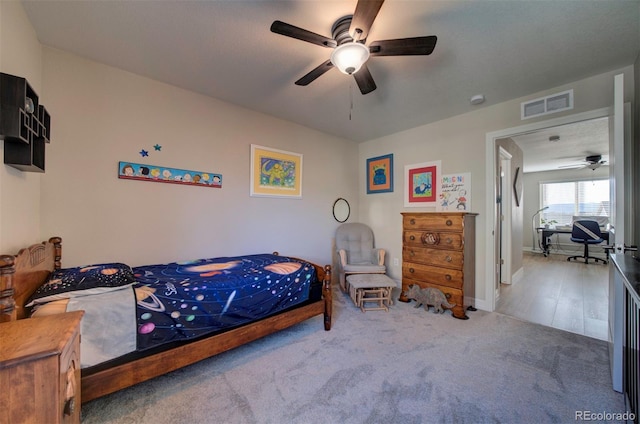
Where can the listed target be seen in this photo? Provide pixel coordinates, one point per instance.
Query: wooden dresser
(438, 250)
(40, 369)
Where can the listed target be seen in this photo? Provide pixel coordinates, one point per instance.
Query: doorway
(492, 243)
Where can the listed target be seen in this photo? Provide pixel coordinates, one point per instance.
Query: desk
(548, 232)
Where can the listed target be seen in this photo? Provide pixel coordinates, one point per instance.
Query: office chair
(586, 232)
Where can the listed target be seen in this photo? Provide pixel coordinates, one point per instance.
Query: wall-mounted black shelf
(25, 124)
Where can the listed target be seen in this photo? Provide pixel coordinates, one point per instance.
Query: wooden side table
(40, 369)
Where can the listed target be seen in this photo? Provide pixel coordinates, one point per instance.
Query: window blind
(574, 198)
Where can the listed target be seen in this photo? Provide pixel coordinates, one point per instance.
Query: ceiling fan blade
(363, 17)
(404, 46)
(365, 80)
(289, 30)
(315, 73)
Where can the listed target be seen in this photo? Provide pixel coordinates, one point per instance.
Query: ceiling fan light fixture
(349, 57)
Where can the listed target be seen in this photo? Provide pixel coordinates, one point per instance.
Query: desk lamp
(533, 227)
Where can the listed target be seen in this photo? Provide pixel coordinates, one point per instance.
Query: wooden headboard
(22, 274)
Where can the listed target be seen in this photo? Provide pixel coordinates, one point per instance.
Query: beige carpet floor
(402, 366)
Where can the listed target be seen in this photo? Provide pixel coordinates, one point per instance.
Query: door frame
(491, 178)
(504, 219)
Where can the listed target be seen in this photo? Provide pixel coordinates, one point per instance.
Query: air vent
(547, 105)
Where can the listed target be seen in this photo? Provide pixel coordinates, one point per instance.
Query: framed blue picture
(380, 174)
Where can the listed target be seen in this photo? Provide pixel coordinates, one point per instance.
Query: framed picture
(422, 184)
(380, 174)
(455, 193)
(517, 187)
(275, 173)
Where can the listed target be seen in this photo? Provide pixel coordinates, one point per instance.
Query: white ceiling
(503, 49)
(575, 143)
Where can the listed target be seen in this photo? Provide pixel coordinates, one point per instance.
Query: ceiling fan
(592, 162)
(350, 54)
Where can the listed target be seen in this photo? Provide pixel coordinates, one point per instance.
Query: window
(574, 198)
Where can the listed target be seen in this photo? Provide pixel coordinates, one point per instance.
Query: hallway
(571, 296)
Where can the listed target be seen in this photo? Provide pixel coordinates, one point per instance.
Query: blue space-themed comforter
(133, 309)
(183, 300)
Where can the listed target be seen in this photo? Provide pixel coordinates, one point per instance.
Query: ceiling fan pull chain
(350, 99)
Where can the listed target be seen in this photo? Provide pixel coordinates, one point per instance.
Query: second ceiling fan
(350, 52)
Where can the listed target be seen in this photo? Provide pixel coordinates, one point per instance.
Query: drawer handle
(449, 240)
(412, 221)
(411, 270)
(430, 238)
(412, 253)
(70, 406)
(447, 277)
(412, 238)
(70, 392)
(448, 259)
(449, 223)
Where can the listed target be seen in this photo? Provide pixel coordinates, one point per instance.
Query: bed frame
(22, 274)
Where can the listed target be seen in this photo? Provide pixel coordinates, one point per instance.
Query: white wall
(21, 55)
(460, 143)
(102, 115)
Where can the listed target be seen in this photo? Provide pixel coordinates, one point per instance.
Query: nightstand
(40, 369)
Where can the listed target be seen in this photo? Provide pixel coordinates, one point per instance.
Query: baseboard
(517, 276)
(479, 304)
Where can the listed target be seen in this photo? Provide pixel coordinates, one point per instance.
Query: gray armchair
(356, 252)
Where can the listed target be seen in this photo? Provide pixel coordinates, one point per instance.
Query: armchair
(356, 252)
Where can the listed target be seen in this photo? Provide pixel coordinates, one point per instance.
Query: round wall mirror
(341, 210)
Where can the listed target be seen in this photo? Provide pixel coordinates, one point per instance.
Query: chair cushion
(357, 240)
(360, 281)
(365, 269)
(588, 241)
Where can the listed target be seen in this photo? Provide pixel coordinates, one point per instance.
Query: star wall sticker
(144, 153)
(157, 147)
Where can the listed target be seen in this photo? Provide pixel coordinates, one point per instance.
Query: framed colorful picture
(275, 173)
(455, 193)
(422, 184)
(380, 174)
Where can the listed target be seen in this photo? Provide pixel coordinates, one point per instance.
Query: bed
(206, 319)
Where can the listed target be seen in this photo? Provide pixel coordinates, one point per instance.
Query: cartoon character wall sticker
(144, 172)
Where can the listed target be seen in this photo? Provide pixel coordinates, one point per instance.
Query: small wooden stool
(376, 288)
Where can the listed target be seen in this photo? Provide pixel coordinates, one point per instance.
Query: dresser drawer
(434, 239)
(433, 222)
(437, 257)
(40, 369)
(431, 274)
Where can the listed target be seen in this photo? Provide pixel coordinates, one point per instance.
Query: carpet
(402, 366)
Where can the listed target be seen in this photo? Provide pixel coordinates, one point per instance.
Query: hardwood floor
(571, 296)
